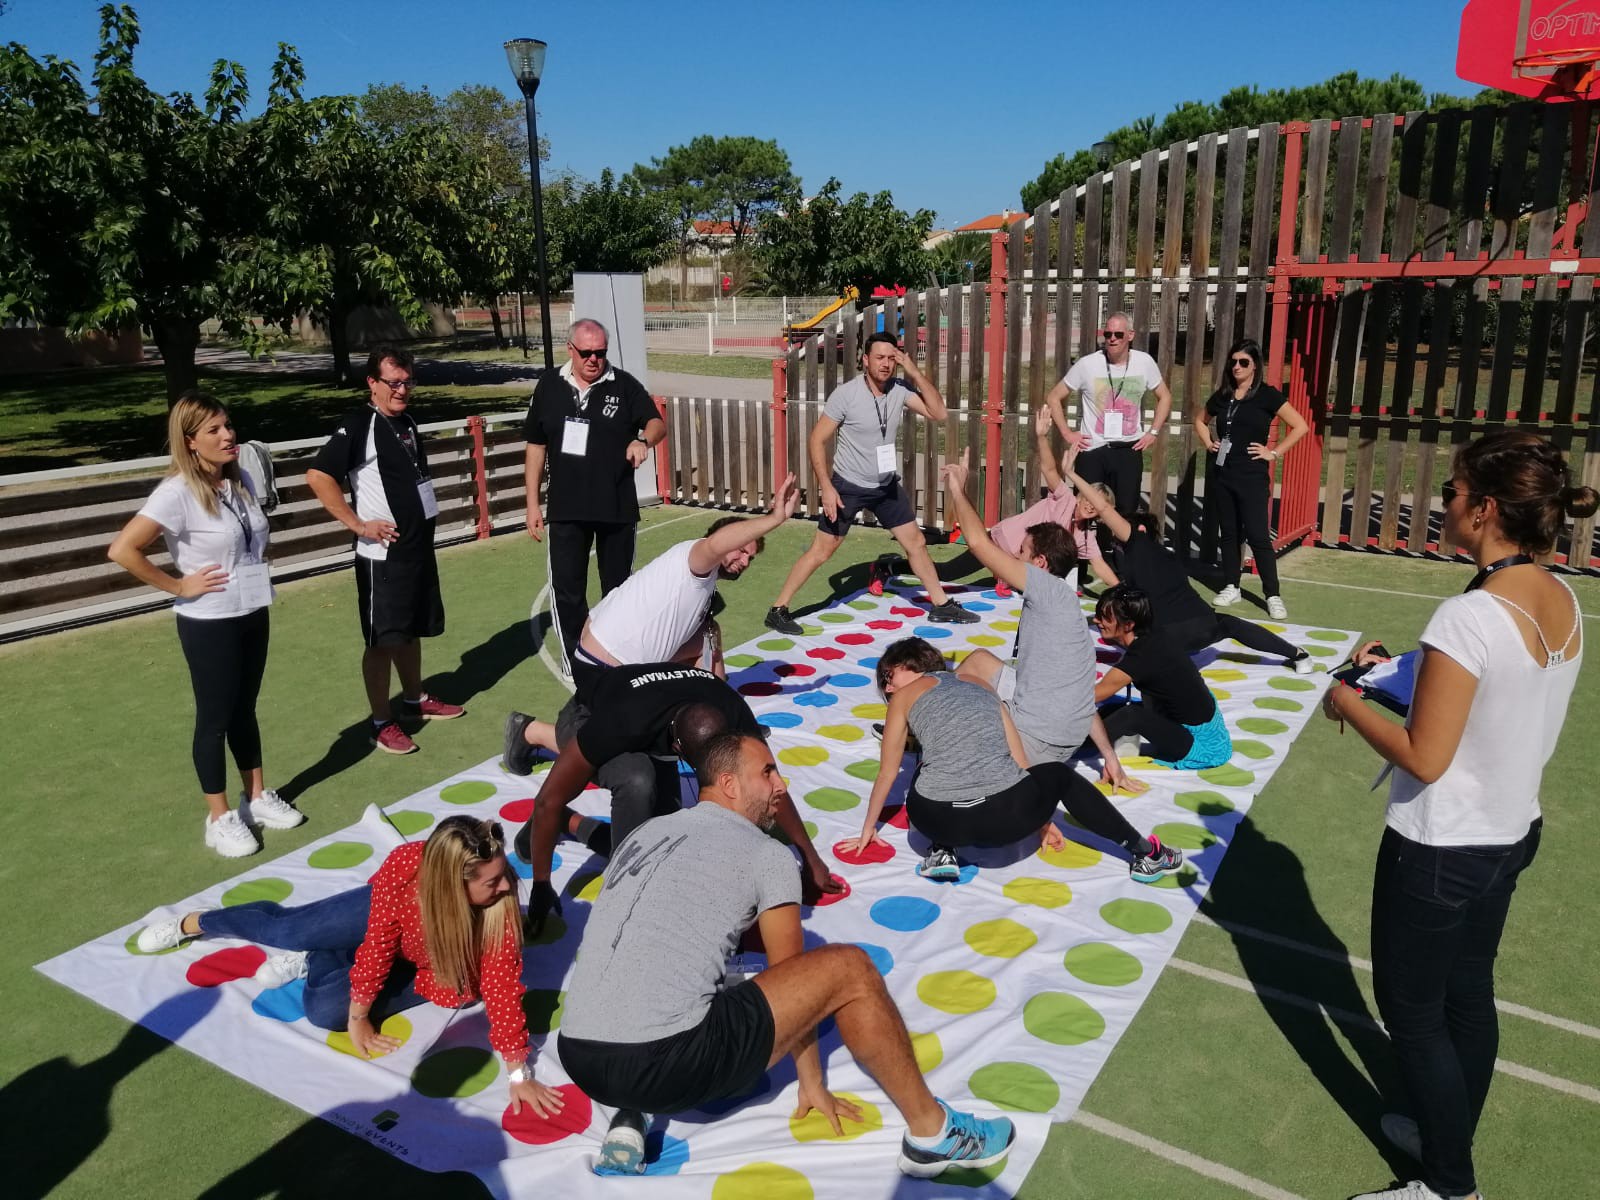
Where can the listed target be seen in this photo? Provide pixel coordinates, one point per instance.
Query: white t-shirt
(1111, 398)
(1489, 794)
(195, 539)
(657, 609)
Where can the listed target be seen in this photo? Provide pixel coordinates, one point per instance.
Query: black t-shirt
(1243, 422)
(1168, 679)
(631, 709)
(1146, 564)
(597, 485)
(381, 461)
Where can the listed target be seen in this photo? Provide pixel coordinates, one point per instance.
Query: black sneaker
(778, 618)
(912, 745)
(951, 613)
(622, 1153)
(523, 842)
(518, 755)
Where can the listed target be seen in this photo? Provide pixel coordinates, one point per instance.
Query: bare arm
(1159, 421)
(891, 755)
(1298, 428)
(1055, 400)
(927, 402)
(1105, 512)
(1013, 739)
(1109, 684)
(532, 480)
(639, 449)
(995, 560)
(1047, 455)
(128, 548)
(1439, 709)
(705, 554)
(330, 495)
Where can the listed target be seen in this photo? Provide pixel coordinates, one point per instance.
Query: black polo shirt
(381, 460)
(1146, 564)
(598, 484)
(631, 709)
(1167, 679)
(1244, 422)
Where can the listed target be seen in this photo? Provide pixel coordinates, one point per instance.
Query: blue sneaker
(968, 1141)
(622, 1153)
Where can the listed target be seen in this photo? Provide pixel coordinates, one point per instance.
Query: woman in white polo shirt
(217, 535)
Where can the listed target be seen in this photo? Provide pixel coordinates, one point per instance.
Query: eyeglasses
(1242, 362)
(398, 385)
(1116, 335)
(588, 354)
(1449, 492)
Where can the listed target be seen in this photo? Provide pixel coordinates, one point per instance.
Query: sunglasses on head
(587, 354)
(1116, 334)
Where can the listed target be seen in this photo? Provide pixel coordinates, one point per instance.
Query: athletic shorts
(719, 1058)
(887, 501)
(398, 599)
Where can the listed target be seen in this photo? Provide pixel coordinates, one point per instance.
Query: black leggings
(1243, 500)
(1199, 632)
(227, 659)
(1169, 740)
(1023, 808)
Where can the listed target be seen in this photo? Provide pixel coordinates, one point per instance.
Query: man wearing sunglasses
(1111, 385)
(594, 424)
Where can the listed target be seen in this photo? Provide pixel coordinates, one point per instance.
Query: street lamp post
(526, 56)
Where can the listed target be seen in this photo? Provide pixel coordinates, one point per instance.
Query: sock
(930, 1142)
(380, 722)
(421, 696)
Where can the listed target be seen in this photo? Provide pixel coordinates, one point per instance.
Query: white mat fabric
(1017, 982)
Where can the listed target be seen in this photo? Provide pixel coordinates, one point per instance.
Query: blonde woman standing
(216, 534)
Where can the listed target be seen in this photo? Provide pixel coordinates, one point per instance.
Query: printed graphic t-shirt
(1117, 391)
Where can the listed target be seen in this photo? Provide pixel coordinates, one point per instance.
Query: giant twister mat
(1016, 981)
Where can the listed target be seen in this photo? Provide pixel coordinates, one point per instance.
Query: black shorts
(722, 1056)
(888, 502)
(398, 599)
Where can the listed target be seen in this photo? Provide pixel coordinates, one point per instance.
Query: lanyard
(883, 413)
(1233, 407)
(1113, 385)
(411, 453)
(244, 526)
(1499, 564)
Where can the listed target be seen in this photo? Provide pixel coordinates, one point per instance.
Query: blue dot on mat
(664, 1155)
(524, 870)
(930, 631)
(850, 680)
(817, 699)
(880, 957)
(968, 874)
(780, 720)
(286, 1003)
(978, 605)
(905, 913)
(991, 594)
(868, 663)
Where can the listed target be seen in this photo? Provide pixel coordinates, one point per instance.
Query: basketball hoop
(1572, 70)
(1546, 50)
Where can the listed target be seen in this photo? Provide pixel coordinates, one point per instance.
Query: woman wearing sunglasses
(1498, 667)
(1236, 426)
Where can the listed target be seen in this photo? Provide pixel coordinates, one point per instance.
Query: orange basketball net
(1574, 68)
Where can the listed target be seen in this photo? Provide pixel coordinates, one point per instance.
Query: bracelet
(519, 1073)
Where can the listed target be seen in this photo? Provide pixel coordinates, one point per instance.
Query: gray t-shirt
(965, 755)
(1054, 700)
(865, 423)
(678, 895)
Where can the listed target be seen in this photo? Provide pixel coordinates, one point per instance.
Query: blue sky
(951, 106)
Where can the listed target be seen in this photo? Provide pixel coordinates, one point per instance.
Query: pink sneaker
(430, 709)
(393, 740)
(1002, 589)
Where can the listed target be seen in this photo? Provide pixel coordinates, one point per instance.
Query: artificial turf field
(1230, 1060)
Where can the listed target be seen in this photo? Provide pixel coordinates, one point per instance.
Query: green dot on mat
(1290, 683)
(410, 821)
(132, 946)
(1102, 963)
(972, 1177)
(1003, 938)
(542, 1007)
(1182, 878)
(468, 791)
(1207, 804)
(276, 890)
(1228, 775)
(742, 660)
(862, 770)
(1062, 1019)
(1251, 749)
(811, 829)
(553, 930)
(1326, 635)
(1185, 836)
(956, 991)
(775, 644)
(339, 854)
(1278, 704)
(1020, 1087)
(810, 630)
(1135, 916)
(1261, 725)
(835, 618)
(1042, 893)
(456, 1072)
(862, 605)
(1321, 651)
(830, 799)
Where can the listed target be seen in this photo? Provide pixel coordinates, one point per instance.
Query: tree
(605, 226)
(831, 243)
(961, 258)
(483, 122)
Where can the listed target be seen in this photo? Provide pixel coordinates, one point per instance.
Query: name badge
(430, 502)
(254, 581)
(1225, 445)
(575, 437)
(888, 460)
(1111, 425)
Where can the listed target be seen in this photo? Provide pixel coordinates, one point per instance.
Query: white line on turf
(1352, 587)
(1343, 1016)
(1173, 1154)
(1506, 1006)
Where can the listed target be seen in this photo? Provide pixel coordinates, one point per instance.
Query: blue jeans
(329, 931)
(1437, 916)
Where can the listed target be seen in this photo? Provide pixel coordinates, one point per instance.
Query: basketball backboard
(1499, 36)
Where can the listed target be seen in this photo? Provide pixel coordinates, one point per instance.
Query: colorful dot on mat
(337, 855)
(586, 885)
(409, 821)
(967, 874)
(927, 632)
(867, 664)
(760, 687)
(1251, 749)
(817, 700)
(1223, 674)
(776, 644)
(810, 828)
(455, 1073)
(830, 799)
(986, 639)
(533, 1130)
(828, 898)
(1320, 651)
(814, 1127)
(276, 890)
(1279, 704)
(870, 712)
(802, 756)
(977, 606)
(468, 791)
(1186, 836)
(972, 1177)
(1041, 893)
(741, 660)
(842, 733)
(1002, 938)
(542, 1007)
(1004, 626)
(1220, 694)
(286, 1003)
(854, 639)
(1062, 1019)
(395, 1025)
(1273, 627)
(959, 656)
(928, 1049)
(1265, 726)
(1327, 635)
(793, 670)
(552, 931)
(1102, 963)
(897, 817)
(1290, 683)
(762, 1181)
(849, 680)
(1073, 854)
(780, 720)
(1228, 775)
(811, 630)
(904, 913)
(956, 991)
(826, 653)
(908, 612)
(132, 946)
(1020, 1087)
(518, 811)
(664, 1155)
(862, 605)
(1182, 878)
(835, 618)
(1135, 916)
(876, 852)
(881, 958)
(881, 624)
(862, 770)
(1206, 804)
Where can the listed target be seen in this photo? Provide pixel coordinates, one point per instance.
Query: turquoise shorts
(1212, 746)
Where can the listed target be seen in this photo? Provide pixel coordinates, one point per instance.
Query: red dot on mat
(828, 898)
(535, 1130)
(854, 639)
(517, 811)
(785, 670)
(908, 612)
(237, 962)
(827, 653)
(759, 689)
(885, 624)
(877, 852)
(897, 818)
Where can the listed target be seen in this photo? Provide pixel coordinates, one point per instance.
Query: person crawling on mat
(650, 1024)
(438, 922)
(1178, 716)
(971, 789)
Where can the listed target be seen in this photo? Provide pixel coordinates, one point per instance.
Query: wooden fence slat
(1089, 317)
(1347, 164)
(1506, 199)
(1117, 236)
(1015, 297)
(1536, 368)
(1172, 223)
(1444, 303)
(1265, 182)
(1066, 263)
(1228, 249)
(933, 309)
(1548, 177)
(1205, 196)
(1376, 200)
(1413, 156)
(1475, 183)
(977, 370)
(1166, 351)
(1377, 353)
(1038, 332)
(1314, 189)
(1336, 440)
(1144, 253)
(1441, 185)
(1505, 348)
(1405, 368)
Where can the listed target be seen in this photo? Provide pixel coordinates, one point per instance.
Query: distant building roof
(714, 228)
(993, 223)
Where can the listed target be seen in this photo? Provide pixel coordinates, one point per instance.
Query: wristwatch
(519, 1074)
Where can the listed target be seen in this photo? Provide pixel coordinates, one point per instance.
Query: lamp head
(526, 56)
(1102, 151)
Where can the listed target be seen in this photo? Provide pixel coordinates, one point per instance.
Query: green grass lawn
(101, 823)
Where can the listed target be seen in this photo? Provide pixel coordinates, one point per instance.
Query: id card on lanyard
(253, 579)
(888, 458)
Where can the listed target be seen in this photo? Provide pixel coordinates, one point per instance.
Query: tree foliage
(483, 122)
(830, 243)
(605, 226)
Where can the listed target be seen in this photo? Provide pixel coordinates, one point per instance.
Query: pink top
(1059, 506)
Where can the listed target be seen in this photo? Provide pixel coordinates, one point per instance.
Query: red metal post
(480, 477)
(1294, 133)
(1304, 389)
(780, 422)
(995, 347)
(663, 456)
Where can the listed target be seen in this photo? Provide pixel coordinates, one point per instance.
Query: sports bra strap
(1552, 658)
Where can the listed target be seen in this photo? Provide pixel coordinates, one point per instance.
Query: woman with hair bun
(1498, 666)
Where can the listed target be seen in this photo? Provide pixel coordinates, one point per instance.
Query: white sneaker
(230, 837)
(163, 935)
(271, 810)
(1227, 596)
(281, 969)
(1302, 663)
(1403, 1134)
(1127, 746)
(1415, 1190)
(1277, 609)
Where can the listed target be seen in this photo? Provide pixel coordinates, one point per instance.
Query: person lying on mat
(1142, 562)
(1179, 716)
(438, 922)
(971, 789)
(651, 1023)
(653, 713)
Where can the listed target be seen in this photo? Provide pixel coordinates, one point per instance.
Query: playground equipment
(799, 331)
